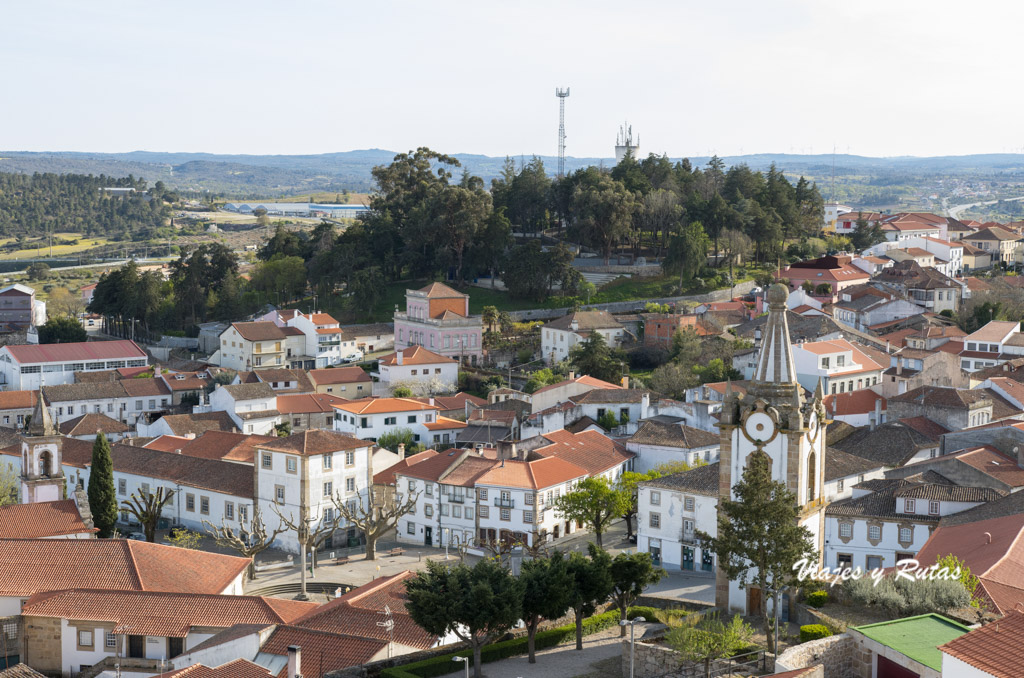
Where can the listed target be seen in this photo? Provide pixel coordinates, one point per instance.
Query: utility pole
(562, 94)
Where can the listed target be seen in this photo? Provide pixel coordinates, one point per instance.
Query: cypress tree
(102, 500)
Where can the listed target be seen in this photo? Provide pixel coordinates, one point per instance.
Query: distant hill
(265, 176)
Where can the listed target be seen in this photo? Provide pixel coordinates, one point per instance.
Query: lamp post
(632, 644)
(465, 660)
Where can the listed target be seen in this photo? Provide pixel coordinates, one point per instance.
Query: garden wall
(834, 653)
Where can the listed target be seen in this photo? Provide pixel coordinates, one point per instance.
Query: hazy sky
(872, 77)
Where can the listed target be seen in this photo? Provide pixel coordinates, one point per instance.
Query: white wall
(447, 372)
(669, 536)
(859, 547)
(650, 456)
(375, 426)
(833, 492)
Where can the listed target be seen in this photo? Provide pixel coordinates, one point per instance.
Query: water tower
(624, 143)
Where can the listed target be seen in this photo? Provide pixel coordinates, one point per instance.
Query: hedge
(817, 599)
(812, 632)
(648, 613)
(439, 666)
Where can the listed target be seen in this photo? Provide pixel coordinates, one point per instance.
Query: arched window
(45, 462)
(811, 476)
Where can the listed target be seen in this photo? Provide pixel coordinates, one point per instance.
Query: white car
(353, 357)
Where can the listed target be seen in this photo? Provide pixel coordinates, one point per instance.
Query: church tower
(42, 478)
(773, 418)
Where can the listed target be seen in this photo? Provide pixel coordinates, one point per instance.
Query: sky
(872, 77)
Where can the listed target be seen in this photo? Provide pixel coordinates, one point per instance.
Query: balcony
(456, 499)
(688, 536)
(472, 321)
(504, 503)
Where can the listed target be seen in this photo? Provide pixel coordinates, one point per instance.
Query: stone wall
(835, 653)
(648, 271)
(42, 644)
(659, 661)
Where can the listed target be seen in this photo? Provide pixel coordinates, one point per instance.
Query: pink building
(437, 317)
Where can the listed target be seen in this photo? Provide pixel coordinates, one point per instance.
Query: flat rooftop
(918, 637)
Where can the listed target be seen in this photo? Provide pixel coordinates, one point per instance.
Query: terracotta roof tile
(437, 290)
(239, 668)
(183, 469)
(138, 388)
(42, 519)
(85, 351)
(387, 476)
(382, 405)
(183, 424)
(263, 330)
(592, 450)
(586, 380)
(33, 565)
(339, 375)
(996, 649)
(700, 480)
(673, 435)
(18, 400)
(308, 403)
(585, 321)
(315, 441)
(325, 651)
(533, 475)
(415, 355)
(20, 671)
(88, 424)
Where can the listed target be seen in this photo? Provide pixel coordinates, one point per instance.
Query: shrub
(648, 613)
(813, 632)
(817, 598)
(647, 357)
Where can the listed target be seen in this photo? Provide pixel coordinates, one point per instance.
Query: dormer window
(909, 505)
(933, 508)
(824, 363)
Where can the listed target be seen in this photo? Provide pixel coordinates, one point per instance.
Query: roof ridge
(135, 565)
(1006, 553)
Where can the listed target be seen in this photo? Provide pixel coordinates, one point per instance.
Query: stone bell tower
(41, 476)
(774, 419)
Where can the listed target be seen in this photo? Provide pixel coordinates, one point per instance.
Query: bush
(443, 664)
(817, 598)
(904, 598)
(813, 632)
(648, 613)
(647, 357)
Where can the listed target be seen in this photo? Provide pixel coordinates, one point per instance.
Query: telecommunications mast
(561, 94)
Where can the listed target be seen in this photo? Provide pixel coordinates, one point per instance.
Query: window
(909, 505)
(655, 498)
(933, 508)
(528, 499)
(411, 419)
(469, 513)
(268, 460)
(839, 485)
(390, 421)
(350, 459)
(279, 494)
(110, 640)
(845, 530)
(428, 510)
(430, 489)
(874, 562)
(328, 489)
(122, 486)
(824, 363)
(362, 422)
(444, 509)
(689, 503)
(291, 464)
(328, 460)
(204, 505)
(85, 639)
(528, 517)
(410, 528)
(840, 361)
(152, 404)
(484, 512)
(906, 535)
(190, 502)
(145, 490)
(874, 532)
(124, 516)
(350, 484)
(506, 514)
(655, 520)
(229, 510)
(456, 511)
(243, 513)
(483, 495)
(412, 486)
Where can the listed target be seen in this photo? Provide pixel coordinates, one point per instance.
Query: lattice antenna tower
(562, 94)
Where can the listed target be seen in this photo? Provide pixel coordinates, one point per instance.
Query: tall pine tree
(759, 536)
(102, 500)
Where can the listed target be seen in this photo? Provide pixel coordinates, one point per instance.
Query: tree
(672, 380)
(686, 346)
(631, 574)
(366, 289)
(147, 509)
(282, 278)
(102, 500)
(704, 638)
(608, 420)
(593, 357)
(759, 534)
(399, 436)
(591, 584)
(547, 584)
(541, 378)
(63, 302)
(378, 515)
(593, 502)
(62, 329)
(628, 483)
(968, 580)
(185, 539)
(736, 245)
(687, 252)
(10, 486)
(249, 540)
(310, 531)
(38, 271)
(490, 317)
(603, 211)
(477, 604)
(283, 430)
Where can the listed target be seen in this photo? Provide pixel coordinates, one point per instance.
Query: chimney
(645, 404)
(191, 435)
(294, 661)
(398, 357)
(431, 401)
(899, 367)
(514, 451)
(572, 375)
(1019, 454)
(401, 450)
(878, 413)
(177, 451)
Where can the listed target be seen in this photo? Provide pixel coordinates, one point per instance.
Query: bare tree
(378, 515)
(311, 532)
(10, 487)
(249, 540)
(147, 509)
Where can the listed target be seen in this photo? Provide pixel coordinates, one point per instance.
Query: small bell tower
(42, 478)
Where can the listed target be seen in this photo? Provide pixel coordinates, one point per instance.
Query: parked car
(137, 536)
(353, 357)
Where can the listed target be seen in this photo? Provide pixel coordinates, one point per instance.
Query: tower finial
(775, 362)
(41, 424)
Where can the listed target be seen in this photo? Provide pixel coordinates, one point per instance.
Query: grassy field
(41, 248)
(326, 198)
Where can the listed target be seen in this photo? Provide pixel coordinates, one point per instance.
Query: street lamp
(632, 645)
(463, 659)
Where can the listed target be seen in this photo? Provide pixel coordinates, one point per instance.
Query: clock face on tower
(759, 427)
(813, 426)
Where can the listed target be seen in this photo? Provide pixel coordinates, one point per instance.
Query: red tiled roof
(88, 424)
(315, 441)
(224, 445)
(358, 611)
(308, 403)
(438, 290)
(994, 463)
(239, 668)
(592, 450)
(166, 443)
(261, 330)
(150, 613)
(18, 400)
(534, 475)
(444, 424)
(996, 649)
(42, 519)
(415, 355)
(324, 651)
(323, 319)
(387, 476)
(382, 405)
(586, 380)
(121, 349)
(854, 402)
(338, 375)
(925, 427)
(33, 565)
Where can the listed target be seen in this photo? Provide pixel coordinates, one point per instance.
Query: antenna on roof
(388, 624)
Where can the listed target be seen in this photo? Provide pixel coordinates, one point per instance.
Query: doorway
(428, 536)
(753, 600)
(137, 647)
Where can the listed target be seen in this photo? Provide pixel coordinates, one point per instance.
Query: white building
(26, 367)
(669, 511)
(305, 471)
(253, 407)
(658, 442)
(369, 419)
(325, 340)
(418, 365)
(886, 521)
(559, 336)
(993, 344)
(840, 365)
(253, 345)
